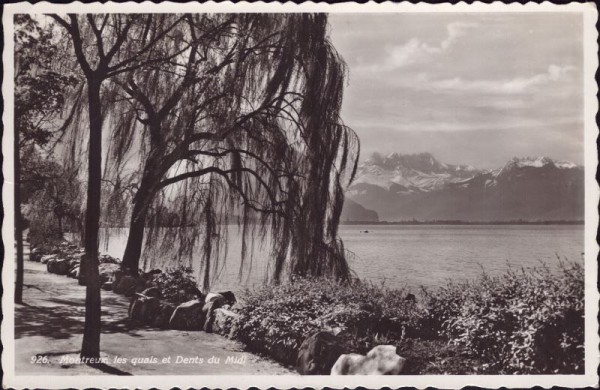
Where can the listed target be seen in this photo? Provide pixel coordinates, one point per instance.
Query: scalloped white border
(592, 196)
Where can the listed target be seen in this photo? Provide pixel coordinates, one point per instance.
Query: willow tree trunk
(60, 227)
(135, 239)
(18, 221)
(91, 333)
(141, 202)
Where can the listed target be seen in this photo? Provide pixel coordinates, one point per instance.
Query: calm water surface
(406, 256)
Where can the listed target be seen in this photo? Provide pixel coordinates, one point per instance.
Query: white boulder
(381, 360)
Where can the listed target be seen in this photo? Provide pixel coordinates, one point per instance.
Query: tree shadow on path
(62, 321)
(108, 369)
(55, 308)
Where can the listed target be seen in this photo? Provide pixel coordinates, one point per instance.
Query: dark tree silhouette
(53, 195)
(244, 120)
(103, 46)
(39, 98)
(233, 116)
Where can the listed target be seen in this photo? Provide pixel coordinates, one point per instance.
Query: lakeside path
(50, 324)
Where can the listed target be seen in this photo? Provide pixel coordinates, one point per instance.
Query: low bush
(277, 319)
(177, 285)
(520, 322)
(43, 238)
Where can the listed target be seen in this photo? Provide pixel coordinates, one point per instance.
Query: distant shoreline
(452, 222)
(416, 222)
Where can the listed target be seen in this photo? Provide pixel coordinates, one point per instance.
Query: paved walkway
(50, 325)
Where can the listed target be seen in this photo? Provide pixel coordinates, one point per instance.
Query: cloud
(416, 51)
(477, 91)
(517, 85)
(455, 31)
(447, 125)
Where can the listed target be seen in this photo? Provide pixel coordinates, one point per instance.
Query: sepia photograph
(285, 195)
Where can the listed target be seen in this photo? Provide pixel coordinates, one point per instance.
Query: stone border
(207, 312)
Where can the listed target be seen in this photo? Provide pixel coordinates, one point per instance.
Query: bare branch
(73, 30)
(122, 35)
(98, 34)
(141, 51)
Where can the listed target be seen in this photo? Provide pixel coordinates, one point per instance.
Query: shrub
(177, 285)
(42, 235)
(520, 322)
(277, 319)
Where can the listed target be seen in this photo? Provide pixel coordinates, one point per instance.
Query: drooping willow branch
(230, 116)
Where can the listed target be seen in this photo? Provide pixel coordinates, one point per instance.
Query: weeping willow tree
(223, 117)
(241, 123)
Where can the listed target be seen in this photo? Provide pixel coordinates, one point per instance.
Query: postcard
(291, 195)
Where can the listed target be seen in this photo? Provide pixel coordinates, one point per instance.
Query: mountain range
(400, 187)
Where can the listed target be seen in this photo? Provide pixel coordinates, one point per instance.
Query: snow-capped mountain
(534, 162)
(400, 187)
(411, 172)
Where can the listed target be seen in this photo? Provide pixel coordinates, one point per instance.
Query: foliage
(39, 88)
(177, 285)
(49, 192)
(277, 319)
(520, 322)
(224, 116)
(51, 197)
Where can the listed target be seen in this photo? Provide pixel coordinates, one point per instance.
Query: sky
(469, 88)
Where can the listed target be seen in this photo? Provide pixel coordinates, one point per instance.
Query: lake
(407, 256)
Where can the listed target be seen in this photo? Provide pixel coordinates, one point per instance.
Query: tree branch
(144, 49)
(73, 30)
(222, 173)
(119, 41)
(98, 35)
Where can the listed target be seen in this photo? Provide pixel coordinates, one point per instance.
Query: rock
(73, 262)
(225, 321)
(152, 292)
(150, 275)
(213, 302)
(318, 353)
(229, 297)
(117, 275)
(163, 315)
(135, 308)
(144, 309)
(127, 285)
(188, 316)
(107, 271)
(46, 258)
(381, 360)
(108, 286)
(58, 266)
(141, 286)
(153, 308)
(35, 255)
(212, 296)
(74, 272)
(106, 259)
